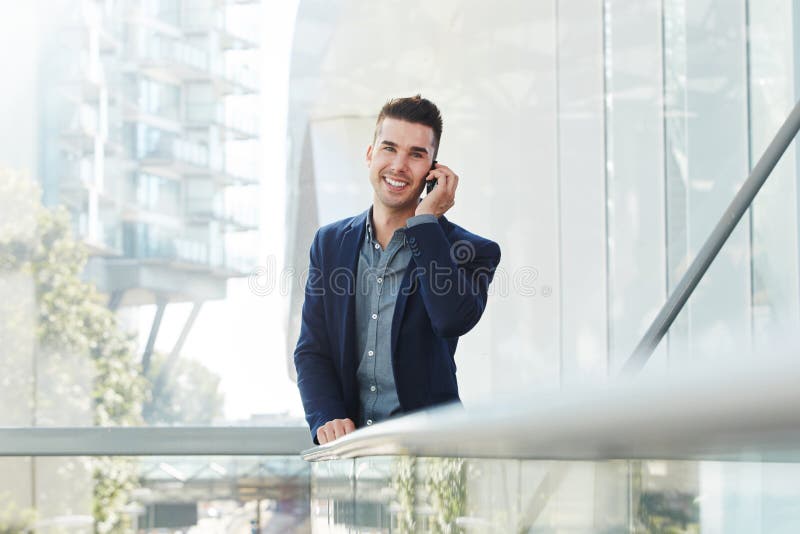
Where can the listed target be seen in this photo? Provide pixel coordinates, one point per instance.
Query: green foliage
(114, 479)
(446, 486)
(668, 512)
(14, 520)
(404, 483)
(72, 319)
(190, 394)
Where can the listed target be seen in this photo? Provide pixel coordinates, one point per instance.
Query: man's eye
(389, 148)
(417, 155)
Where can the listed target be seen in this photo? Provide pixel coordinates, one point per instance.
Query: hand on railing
(334, 429)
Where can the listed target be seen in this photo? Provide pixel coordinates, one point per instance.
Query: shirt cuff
(421, 219)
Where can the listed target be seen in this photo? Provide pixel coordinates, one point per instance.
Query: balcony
(150, 243)
(81, 129)
(107, 238)
(173, 155)
(76, 175)
(234, 217)
(238, 127)
(231, 36)
(162, 152)
(236, 80)
(228, 79)
(234, 178)
(154, 194)
(171, 57)
(162, 120)
(155, 245)
(175, 59)
(237, 265)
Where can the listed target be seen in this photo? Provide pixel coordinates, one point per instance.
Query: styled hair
(413, 109)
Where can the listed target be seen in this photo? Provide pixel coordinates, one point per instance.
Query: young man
(391, 290)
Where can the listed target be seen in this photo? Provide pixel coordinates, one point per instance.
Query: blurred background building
(149, 138)
(143, 122)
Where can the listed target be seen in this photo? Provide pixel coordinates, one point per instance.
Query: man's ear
(369, 155)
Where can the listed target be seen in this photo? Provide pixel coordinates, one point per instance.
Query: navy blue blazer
(442, 296)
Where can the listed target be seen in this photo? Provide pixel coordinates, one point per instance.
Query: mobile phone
(432, 183)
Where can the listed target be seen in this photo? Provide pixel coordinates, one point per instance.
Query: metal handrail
(154, 441)
(746, 412)
(738, 206)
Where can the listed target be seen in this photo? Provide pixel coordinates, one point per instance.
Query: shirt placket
(383, 259)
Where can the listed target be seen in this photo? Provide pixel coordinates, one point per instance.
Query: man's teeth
(394, 182)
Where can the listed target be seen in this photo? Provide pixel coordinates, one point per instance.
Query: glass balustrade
(398, 494)
(237, 494)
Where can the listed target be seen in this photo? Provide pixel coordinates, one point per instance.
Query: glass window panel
(773, 91)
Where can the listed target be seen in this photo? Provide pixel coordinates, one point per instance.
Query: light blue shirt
(380, 273)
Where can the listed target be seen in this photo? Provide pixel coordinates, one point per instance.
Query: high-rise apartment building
(138, 117)
(150, 140)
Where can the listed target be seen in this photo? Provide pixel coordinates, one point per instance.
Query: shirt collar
(369, 225)
(369, 228)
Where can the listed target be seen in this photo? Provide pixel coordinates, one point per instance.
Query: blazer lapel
(343, 284)
(402, 297)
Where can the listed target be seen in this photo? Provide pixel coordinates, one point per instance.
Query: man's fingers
(334, 430)
(452, 183)
(443, 168)
(349, 426)
(338, 428)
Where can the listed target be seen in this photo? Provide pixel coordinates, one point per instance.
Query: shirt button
(380, 279)
(372, 388)
(374, 315)
(370, 353)
(377, 246)
(369, 421)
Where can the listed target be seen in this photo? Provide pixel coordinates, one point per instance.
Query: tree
(190, 395)
(71, 319)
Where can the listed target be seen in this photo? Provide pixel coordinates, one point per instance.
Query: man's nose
(400, 162)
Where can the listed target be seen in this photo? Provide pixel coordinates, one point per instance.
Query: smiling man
(391, 290)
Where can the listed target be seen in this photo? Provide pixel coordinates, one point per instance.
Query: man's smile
(394, 184)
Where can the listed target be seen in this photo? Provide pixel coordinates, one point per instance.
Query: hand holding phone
(444, 197)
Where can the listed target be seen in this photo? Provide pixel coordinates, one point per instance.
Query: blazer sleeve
(317, 379)
(455, 277)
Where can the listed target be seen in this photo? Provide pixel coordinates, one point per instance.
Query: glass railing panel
(407, 494)
(155, 494)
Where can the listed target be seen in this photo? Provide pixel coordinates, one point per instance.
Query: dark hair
(413, 109)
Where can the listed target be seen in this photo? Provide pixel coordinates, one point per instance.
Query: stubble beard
(394, 204)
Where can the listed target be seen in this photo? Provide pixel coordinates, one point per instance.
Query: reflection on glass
(403, 494)
(163, 494)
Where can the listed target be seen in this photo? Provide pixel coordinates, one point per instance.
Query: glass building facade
(598, 144)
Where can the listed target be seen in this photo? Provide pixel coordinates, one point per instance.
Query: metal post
(744, 197)
(161, 304)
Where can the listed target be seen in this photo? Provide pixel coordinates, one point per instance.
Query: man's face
(399, 161)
